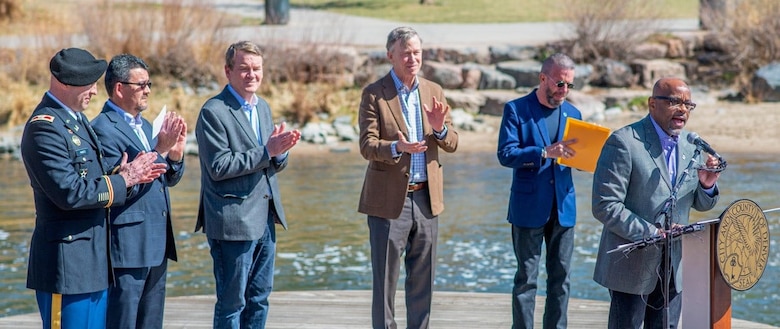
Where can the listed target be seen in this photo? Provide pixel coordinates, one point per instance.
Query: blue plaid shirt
(410, 99)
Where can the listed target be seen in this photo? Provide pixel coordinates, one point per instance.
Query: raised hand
(405, 146)
(177, 151)
(142, 169)
(708, 178)
(282, 141)
(437, 114)
(171, 129)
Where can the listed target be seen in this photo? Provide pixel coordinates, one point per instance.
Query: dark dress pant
(413, 236)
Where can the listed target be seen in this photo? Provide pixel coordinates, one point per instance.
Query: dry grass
(608, 28)
(746, 37)
(181, 42)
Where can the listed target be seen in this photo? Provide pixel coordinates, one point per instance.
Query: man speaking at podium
(639, 166)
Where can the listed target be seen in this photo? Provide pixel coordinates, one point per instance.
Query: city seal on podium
(742, 244)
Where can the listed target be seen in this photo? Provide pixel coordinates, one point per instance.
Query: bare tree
(427, 2)
(277, 12)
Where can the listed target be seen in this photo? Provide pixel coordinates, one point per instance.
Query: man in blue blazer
(73, 188)
(141, 230)
(639, 166)
(241, 151)
(541, 202)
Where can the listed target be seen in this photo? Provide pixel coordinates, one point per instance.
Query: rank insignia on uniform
(102, 196)
(42, 117)
(76, 140)
(76, 127)
(83, 173)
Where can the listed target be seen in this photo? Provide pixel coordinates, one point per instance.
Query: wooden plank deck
(347, 309)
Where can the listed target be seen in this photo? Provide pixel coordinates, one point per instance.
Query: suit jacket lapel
(234, 107)
(536, 116)
(390, 94)
(684, 154)
(653, 147)
(123, 127)
(427, 99)
(264, 115)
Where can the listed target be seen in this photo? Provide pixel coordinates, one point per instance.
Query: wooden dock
(347, 309)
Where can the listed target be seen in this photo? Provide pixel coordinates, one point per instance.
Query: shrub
(607, 28)
(177, 38)
(744, 38)
(10, 10)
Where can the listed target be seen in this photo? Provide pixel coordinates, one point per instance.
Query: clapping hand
(143, 169)
(282, 141)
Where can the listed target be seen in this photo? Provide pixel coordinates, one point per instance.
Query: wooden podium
(706, 296)
(737, 243)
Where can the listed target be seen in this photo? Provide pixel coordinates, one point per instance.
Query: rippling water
(327, 244)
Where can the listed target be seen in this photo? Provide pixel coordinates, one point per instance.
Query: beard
(551, 97)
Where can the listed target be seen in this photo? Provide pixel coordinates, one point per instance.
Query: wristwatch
(544, 153)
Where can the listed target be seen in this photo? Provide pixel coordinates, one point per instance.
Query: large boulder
(494, 79)
(649, 71)
(766, 83)
(449, 76)
(457, 55)
(511, 53)
(613, 74)
(468, 100)
(525, 73)
(495, 100)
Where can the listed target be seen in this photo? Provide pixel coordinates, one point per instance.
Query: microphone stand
(668, 212)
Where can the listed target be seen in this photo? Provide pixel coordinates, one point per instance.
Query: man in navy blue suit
(541, 203)
(141, 230)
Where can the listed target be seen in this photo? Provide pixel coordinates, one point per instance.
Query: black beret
(76, 67)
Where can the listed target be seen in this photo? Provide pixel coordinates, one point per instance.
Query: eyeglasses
(140, 84)
(676, 102)
(562, 83)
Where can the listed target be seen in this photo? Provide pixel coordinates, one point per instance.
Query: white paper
(158, 122)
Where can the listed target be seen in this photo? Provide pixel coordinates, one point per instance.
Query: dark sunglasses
(676, 102)
(562, 83)
(140, 84)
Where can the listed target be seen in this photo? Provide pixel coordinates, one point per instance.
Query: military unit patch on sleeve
(42, 117)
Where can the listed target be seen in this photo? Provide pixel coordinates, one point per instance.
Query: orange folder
(590, 138)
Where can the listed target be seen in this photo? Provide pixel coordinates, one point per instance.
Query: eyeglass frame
(143, 85)
(561, 83)
(677, 102)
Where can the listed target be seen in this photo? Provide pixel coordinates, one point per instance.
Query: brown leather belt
(416, 187)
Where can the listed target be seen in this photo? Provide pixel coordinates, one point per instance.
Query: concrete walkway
(307, 25)
(351, 309)
(313, 26)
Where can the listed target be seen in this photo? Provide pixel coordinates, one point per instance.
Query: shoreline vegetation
(186, 64)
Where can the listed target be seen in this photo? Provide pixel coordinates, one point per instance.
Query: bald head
(666, 86)
(669, 105)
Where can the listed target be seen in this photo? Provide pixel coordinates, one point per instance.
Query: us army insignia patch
(42, 117)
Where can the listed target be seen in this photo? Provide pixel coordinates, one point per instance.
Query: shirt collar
(246, 106)
(131, 120)
(667, 142)
(400, 86)
(71, 112)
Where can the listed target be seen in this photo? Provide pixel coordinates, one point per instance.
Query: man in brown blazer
(404, 120)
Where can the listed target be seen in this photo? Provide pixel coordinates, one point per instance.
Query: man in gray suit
(141, 229)
(639, 166)
(241, 151)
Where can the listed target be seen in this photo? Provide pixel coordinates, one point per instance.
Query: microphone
(694, 139)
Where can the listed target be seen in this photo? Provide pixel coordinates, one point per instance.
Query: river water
(326, 246)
